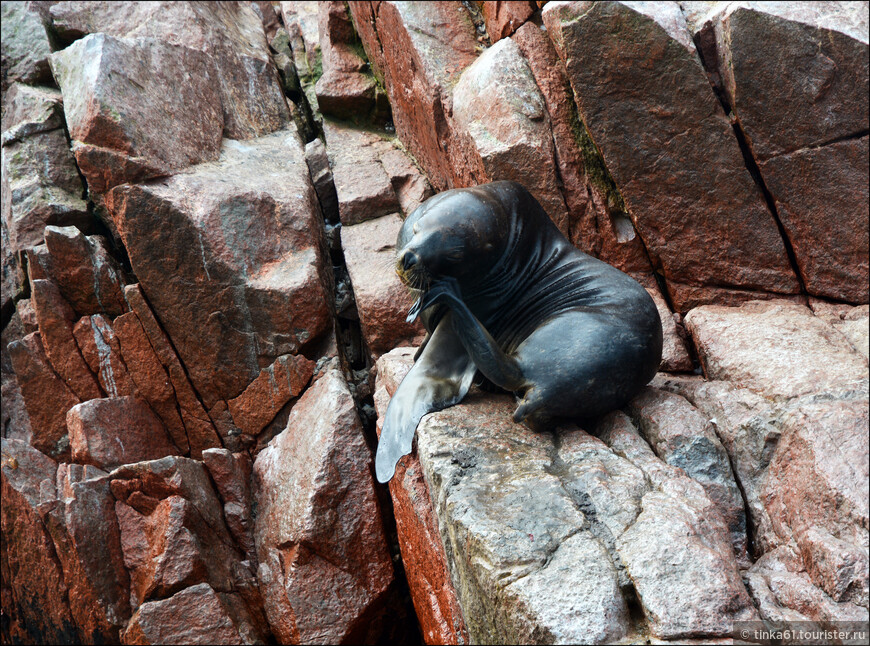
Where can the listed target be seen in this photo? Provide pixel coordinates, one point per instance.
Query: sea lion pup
(501, 291)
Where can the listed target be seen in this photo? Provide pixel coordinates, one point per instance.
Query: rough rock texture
(665, 149)
(28, 110)
(518, 514)
(301, 22)
(675, 356)
(239, 280)
(25, 49)
(504, 18)
(324, 563)
(381, 299)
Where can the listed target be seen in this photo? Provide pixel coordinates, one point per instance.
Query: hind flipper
(440, 378)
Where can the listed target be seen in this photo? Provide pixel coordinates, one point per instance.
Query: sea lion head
(457, 234)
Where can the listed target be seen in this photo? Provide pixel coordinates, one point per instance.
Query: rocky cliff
(202, 325)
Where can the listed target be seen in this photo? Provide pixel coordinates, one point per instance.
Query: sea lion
(503, 292)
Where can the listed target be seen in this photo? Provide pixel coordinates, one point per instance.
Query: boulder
(230, 257)
(110, 432)
(664, 149)
(382, 300)
(497, 103)
(25, 47)
(41, 186)
(229, 39)
(46, 396)
(324, 562)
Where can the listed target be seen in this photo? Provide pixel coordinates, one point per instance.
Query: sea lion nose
(409, 259)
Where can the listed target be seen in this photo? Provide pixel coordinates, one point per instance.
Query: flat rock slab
(382, 300)
(230, 256)
(541, 535)
(777, 349)
(666, 148)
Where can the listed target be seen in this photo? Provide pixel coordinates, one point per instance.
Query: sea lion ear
(440, 378)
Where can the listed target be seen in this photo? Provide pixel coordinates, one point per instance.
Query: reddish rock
(497, 103)
(504, 18)
(201, 433)
(411, 186)
(196, 615)
(232, 293)
(151, 380)
(231, 473)
(110, 432)
(56, 319)
(269, 15)
(324, 562)
(382, 300)
(25, 46)
(46, 397)
(83, 526)
(775, 348)
(321, 177)
(683, 437)
(267, 394)
(89, 278)
(34, 598)
(102, 352)
(364, 189)
(40, 186)
(134, 131)
(419, 50)
(230, 434)
(28, 110)
(432, 592)
(345, 90)
(665, 149)
(816, 493)
(589, 196)
(231, 44)
(821, 197)
(794, 74)
(301, 21)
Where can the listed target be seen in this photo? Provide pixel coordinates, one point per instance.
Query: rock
(196, 615)
(345, 90)
(240, 279)
(12, 276)
(102, 352)
(776, 348)
(201, 432)
(812, 91)
(815, 493)
(125, 127)
(29, 110)
(665, 153)
(675, 356)
(504, 18)
(46, 396)
(301, 22)
(40, 186)
(231, 473)
(84, 528)
(850, 321)
(321, 177)
(110, 432)
(419, 66)
(382, 300)
(267, 394)
(89, 278)
(25, 46)
(411, 186)
(589, 192)
(36, 606)
(324, 562)
(683, 437)
(55, 319)
(820, 195)
(678, 542)
(425, 562)
(149, 376)
(498, 104)
(364, 189)
(229, 39)
(268, 15)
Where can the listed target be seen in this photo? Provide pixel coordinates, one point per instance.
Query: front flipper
(440, 378)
